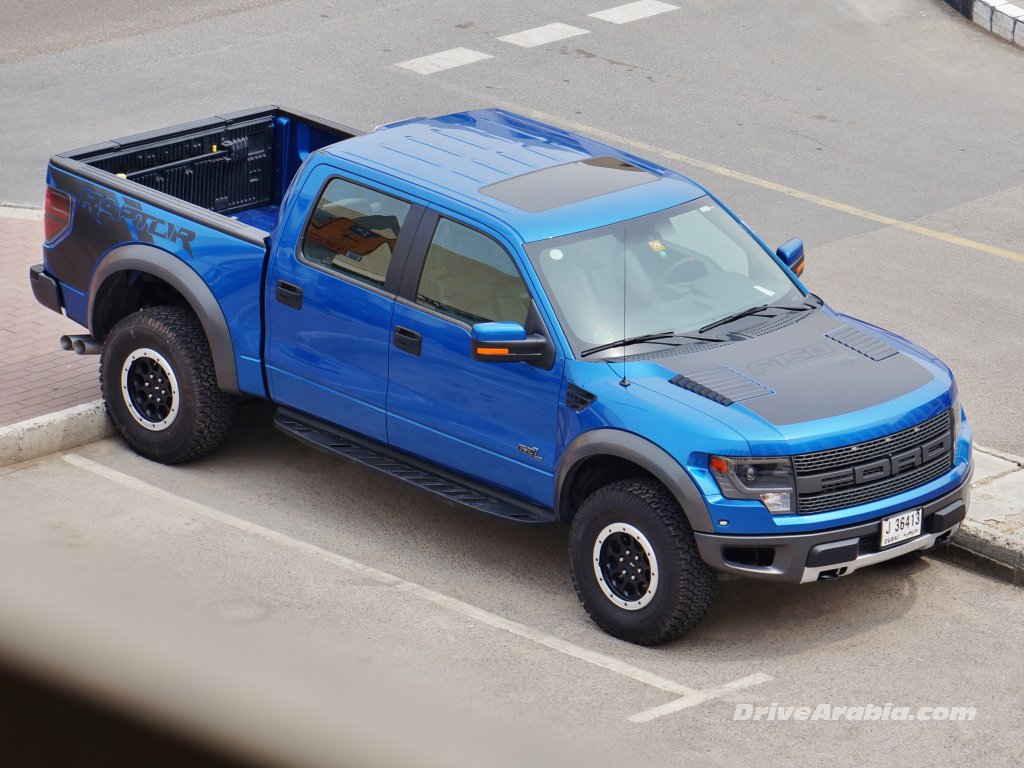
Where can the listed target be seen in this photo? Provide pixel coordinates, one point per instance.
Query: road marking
(623, 14)
(450, 603)
(438, 62)
(622, 141)
(697, 697)
(549, 33)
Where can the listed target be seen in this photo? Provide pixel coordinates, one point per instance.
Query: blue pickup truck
(517, 319)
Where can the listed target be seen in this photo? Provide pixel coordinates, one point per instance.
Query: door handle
(289, 294)
(408, 341)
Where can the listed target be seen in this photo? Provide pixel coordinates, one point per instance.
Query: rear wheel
(160, 386)
(635, 564)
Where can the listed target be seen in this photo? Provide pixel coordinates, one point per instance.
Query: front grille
(837, 458)
(843, 493)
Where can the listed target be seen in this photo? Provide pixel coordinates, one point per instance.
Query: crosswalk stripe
(437, 62)
(622, 14)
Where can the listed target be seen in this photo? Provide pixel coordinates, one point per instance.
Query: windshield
(683, 269)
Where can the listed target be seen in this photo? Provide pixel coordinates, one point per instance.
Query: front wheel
(635, 564)
(158, 379)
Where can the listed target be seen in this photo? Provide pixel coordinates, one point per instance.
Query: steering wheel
(680, 275)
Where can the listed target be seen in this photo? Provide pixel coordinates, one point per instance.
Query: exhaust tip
(66, 344)
(79, 347)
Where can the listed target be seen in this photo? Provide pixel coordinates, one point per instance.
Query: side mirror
(792, 254)
(506, 343)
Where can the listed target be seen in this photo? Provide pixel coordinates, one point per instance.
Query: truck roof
(541, 180)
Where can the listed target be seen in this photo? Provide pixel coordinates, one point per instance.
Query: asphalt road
(283, 603)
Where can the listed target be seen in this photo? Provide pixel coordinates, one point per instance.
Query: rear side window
(471, 278)
(353, 231)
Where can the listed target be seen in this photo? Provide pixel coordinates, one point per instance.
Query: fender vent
(578, 398)
(864, 343)
(722, 385)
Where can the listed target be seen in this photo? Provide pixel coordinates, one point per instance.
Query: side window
(353, 231)
(470, 277)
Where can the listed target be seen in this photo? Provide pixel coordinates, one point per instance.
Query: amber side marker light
(721, 466)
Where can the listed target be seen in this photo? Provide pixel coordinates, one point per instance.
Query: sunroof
(560, 185)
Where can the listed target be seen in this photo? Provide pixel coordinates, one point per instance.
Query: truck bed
(238, 165)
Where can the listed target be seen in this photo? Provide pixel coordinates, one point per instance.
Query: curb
(984, 548)
(61, 431)
(12, 211)
(996, 16)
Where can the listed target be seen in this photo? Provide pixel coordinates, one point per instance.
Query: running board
(461, 492)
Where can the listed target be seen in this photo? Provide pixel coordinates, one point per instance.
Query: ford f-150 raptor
(520, 320)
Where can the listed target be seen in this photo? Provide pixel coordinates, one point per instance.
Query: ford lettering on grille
(862, 473)
(879, 469)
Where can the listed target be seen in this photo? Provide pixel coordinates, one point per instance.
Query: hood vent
(864, 343)
(722, 385)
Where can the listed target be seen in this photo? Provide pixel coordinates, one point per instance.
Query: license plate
(897, 528)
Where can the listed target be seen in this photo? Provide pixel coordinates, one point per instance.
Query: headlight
(769, 481)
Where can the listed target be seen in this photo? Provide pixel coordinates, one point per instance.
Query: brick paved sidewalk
(36, 376)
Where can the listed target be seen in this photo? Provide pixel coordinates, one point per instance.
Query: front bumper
(801, 558)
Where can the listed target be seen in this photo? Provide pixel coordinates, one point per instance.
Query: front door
(330, 305)
(492, 421)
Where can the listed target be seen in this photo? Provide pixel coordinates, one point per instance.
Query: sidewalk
(37, 377)
(991, 539)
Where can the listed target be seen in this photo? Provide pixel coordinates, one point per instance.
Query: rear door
(330, 298)
(492, 421)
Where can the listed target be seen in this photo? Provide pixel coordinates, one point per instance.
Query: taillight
(57, 215)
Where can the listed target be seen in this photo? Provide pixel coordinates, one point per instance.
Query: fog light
(777, 501)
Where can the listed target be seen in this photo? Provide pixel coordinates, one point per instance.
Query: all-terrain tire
(676, 586)
(160, 386)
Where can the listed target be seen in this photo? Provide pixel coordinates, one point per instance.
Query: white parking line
(698, 697)
(549, 33)
(622, 14)
(437, 62)
(609, 663)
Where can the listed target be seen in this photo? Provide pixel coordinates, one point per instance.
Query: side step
(460, 491)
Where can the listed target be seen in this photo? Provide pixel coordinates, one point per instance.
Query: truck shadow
(763, 620)
(441, 545)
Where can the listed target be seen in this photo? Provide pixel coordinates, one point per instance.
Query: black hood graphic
(814, 368)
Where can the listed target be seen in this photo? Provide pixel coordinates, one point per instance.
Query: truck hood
(795, 384)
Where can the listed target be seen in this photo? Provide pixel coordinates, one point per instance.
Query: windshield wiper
(696, 337)
(810, 302)
(737, 316)
(655, 337)
(630, 341)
